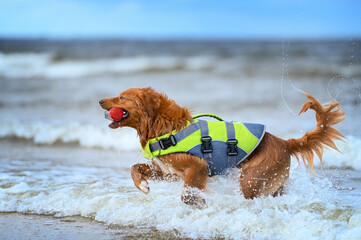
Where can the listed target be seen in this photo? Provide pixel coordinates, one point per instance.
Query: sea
(60, 159)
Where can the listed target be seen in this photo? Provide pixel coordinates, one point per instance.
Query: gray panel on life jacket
(219, 157)
(256, 129)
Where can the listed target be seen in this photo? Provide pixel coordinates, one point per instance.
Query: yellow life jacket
(222, 144)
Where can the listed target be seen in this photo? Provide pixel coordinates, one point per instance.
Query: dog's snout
(101, 101)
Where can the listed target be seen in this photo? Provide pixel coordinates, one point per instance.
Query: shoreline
(33, 226)
(14, 225)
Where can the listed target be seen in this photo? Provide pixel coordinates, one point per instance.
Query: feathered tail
(322, 136)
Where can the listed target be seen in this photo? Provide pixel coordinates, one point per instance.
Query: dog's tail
(322, 136)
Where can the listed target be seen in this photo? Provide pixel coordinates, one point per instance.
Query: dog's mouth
(116, 123)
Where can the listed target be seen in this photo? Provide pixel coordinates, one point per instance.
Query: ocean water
(59, 158)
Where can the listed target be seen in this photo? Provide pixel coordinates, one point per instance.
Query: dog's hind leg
(279, 192)
(142, 172)
(267, 168)
(263, 183)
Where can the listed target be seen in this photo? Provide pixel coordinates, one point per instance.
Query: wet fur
(265, 171)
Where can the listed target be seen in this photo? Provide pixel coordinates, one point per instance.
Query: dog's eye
(121, 97)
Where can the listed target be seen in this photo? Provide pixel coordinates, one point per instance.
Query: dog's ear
(150, 100)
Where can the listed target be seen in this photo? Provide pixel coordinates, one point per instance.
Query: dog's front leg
(141, 173)
(195, 173)
(195, 179)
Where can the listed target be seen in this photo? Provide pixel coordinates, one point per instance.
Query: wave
(49, 66)
(125, 139)
(31, 65)
(113, 200)
(84, 135)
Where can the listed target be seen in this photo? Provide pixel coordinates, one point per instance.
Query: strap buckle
(232, 147)
(167, 142)
(206, 144)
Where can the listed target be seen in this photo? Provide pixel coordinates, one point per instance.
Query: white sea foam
(311, 208)
(30, 65)
(23, 64)
(85, 135)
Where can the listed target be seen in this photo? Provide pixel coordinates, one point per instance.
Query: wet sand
(33, 226)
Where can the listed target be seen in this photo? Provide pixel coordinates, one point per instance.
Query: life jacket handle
(208, 115)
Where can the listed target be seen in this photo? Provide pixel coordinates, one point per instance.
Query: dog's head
(138, 105)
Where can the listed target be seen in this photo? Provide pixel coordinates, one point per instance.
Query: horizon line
(181, 37)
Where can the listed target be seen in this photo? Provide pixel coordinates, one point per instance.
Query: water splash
(344, 76)
(286, 75)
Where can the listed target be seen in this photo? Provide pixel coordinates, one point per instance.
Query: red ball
(115, 114)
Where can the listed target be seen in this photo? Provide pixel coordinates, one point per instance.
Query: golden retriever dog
(265, 170)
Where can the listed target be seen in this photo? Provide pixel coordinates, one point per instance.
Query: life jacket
(222, 144)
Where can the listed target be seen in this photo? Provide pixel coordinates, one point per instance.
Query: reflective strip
(178, 136)
(203, 125)
(154, 147)
(232, 160)
(186, 132)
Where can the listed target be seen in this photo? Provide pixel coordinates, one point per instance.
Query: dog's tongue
(113, 124)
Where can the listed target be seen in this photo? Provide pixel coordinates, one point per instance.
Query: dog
(263, 172)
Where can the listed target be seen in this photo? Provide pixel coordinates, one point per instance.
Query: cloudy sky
(181, 18)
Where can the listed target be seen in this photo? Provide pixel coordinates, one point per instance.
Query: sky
(181, 18)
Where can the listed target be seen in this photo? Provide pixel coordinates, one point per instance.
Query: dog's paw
(139, 181)
(194, 199)
(143, 186)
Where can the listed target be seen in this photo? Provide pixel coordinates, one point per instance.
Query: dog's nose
(101, 101)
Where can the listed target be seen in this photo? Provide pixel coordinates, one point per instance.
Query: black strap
(167, 142)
